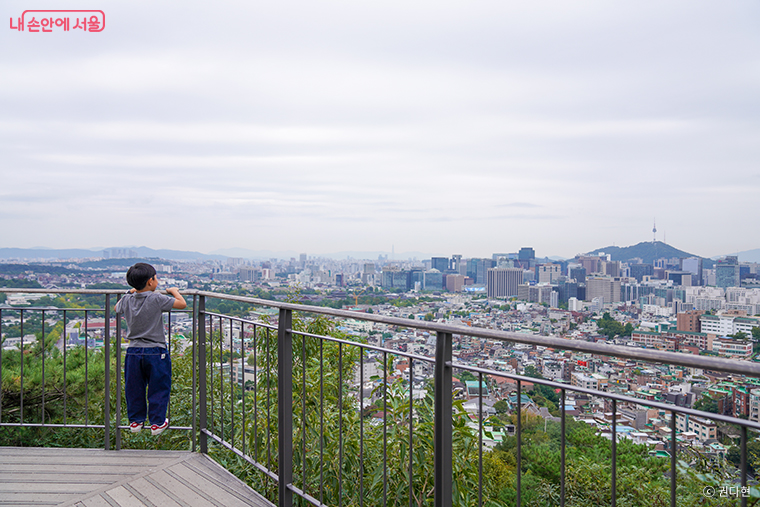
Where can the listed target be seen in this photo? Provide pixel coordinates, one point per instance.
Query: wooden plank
(31, 452)
(35, 498)
(124, 498)
(206, 466)
(68, 476)
(156, 495)
(84, 469)
(21, 487)
(179, 490)
(127, 459)
(211, 488)
(93, 501)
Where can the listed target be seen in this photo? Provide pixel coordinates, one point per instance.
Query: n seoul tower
(654, 232)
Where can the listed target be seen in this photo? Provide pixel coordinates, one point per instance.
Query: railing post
(117, 439)
(107, 390)
(194, 417)
(285, 405)
(443, 420)
(201, 334)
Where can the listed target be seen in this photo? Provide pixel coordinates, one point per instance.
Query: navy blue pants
(151, 368)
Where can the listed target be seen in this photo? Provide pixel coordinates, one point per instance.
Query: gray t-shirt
(142, 311)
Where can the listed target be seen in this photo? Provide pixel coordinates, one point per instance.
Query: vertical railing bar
(65, 415)
(411, 431)
(385, 428)
(169, 352)
(443, 420)
(221, 376)
(744, 464)
(673, 446)
(255, 392)
(42, 414)
(233, 383)
(243, 363)
(117, 442)
(321, 422)
(361, 427)
(202, 375)
(480, 439)
(211, 372)
(269, 390)
(1, 373)
(614, 453)
(107, 388)
(194, 396)
(340, 424)
(519, 443)
(285, 406)
(21, 407)
(303, 412)
(562, 451)
(86, 371)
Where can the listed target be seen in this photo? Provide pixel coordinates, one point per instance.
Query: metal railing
(305, 429)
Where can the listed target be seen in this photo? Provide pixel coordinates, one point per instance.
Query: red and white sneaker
(135, 427)
(155, 429)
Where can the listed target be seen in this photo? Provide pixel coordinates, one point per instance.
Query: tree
(611, 328)
(707, 404)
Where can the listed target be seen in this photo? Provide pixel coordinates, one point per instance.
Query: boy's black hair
(139, 274)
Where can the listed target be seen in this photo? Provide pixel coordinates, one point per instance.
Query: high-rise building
(639, 271)
(578, 274)
(535, 293)
(689, 321)
(477, 270)
(592, 263)
(455, 262)
(683, 278)
(693, 265)
(526, 253)
(433, 280)
(454, 283)
(605, 287)
(503, 282)
(439, 263)
(548, 273)
(567, 290)
(611, 268)
(727, 272)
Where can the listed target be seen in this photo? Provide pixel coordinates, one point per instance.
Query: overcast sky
(433, 126)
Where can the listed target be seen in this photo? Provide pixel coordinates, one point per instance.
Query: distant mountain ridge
(745, 256)
(81, 253)
(647, 251)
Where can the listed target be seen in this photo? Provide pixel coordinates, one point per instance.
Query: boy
(147, 363)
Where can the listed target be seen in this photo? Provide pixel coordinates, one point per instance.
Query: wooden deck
(127, 478)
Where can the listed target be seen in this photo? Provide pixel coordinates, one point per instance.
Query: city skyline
(435, 127)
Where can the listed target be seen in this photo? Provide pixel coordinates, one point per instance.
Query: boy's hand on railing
(179, 303)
